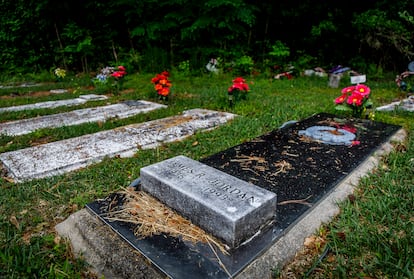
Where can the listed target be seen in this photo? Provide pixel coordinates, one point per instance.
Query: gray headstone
(334, 80)
(223, 205)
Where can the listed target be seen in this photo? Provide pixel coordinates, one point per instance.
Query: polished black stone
(292, 166)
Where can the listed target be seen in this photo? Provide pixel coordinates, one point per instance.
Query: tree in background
(152, 36)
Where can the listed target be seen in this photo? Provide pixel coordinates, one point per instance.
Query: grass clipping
(153, 218)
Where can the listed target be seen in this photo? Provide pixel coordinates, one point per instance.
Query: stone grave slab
(75, 153)
(403, 105)
(76, 117)
(309, 177)
(59, 91)
(54, 104)
(223, 205)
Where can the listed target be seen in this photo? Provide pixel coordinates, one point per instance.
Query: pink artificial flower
(341, 99)
(355, 99)
(363, 90)
(348, 89)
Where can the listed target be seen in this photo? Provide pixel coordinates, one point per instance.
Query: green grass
(378, 224)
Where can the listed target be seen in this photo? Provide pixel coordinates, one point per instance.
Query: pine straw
(154, 218)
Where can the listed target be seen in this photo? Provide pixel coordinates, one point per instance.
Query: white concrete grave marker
(76, 117)
(71, 154)
(54, 104)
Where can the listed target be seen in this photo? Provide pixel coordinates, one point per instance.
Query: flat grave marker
(54, 104)
(406, 104)
(76, 117)
(72, 154)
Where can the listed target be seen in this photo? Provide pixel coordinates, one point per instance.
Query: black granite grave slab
(298, 169)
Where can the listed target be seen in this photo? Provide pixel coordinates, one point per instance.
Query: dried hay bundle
(153, 218)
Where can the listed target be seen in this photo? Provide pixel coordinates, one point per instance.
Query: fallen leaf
(23, 212)
(341, 235)
(310, 241)
(8, 179)
(14, 221)
(27, 237)
(57, 239)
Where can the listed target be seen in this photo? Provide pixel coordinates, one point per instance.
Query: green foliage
(324, 26)
(183, 30)
(373, 235)
(243, 65)
(41, 258)
(184, 67)
(381, 31)
(304, 61)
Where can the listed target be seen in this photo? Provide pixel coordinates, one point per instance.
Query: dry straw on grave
(154, 218)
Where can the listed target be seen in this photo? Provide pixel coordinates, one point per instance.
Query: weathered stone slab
(76, 117)
(227, 207)
(59, 91)
(72, 154)
(406, 104)
(54, 104)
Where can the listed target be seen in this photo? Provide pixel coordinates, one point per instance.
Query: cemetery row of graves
(67, 144)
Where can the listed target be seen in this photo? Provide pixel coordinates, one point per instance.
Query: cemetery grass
(372, 236)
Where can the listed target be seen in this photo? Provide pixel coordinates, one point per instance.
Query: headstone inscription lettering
(223, 205)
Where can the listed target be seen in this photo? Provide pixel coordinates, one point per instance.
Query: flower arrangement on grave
(59, 73)
(238, 90)
(354, 99)
(102, 80)
(162, 85)
(119, 78)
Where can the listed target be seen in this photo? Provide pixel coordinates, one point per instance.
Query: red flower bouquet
(162, 84)
(238, 90)
(354, 99)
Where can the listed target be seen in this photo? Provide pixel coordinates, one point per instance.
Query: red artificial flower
(341, 98)
(239, 83)
(164, 91)
(363, 90)
(355, 99)
(162, 84)
(119, 74)
(348, 89)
